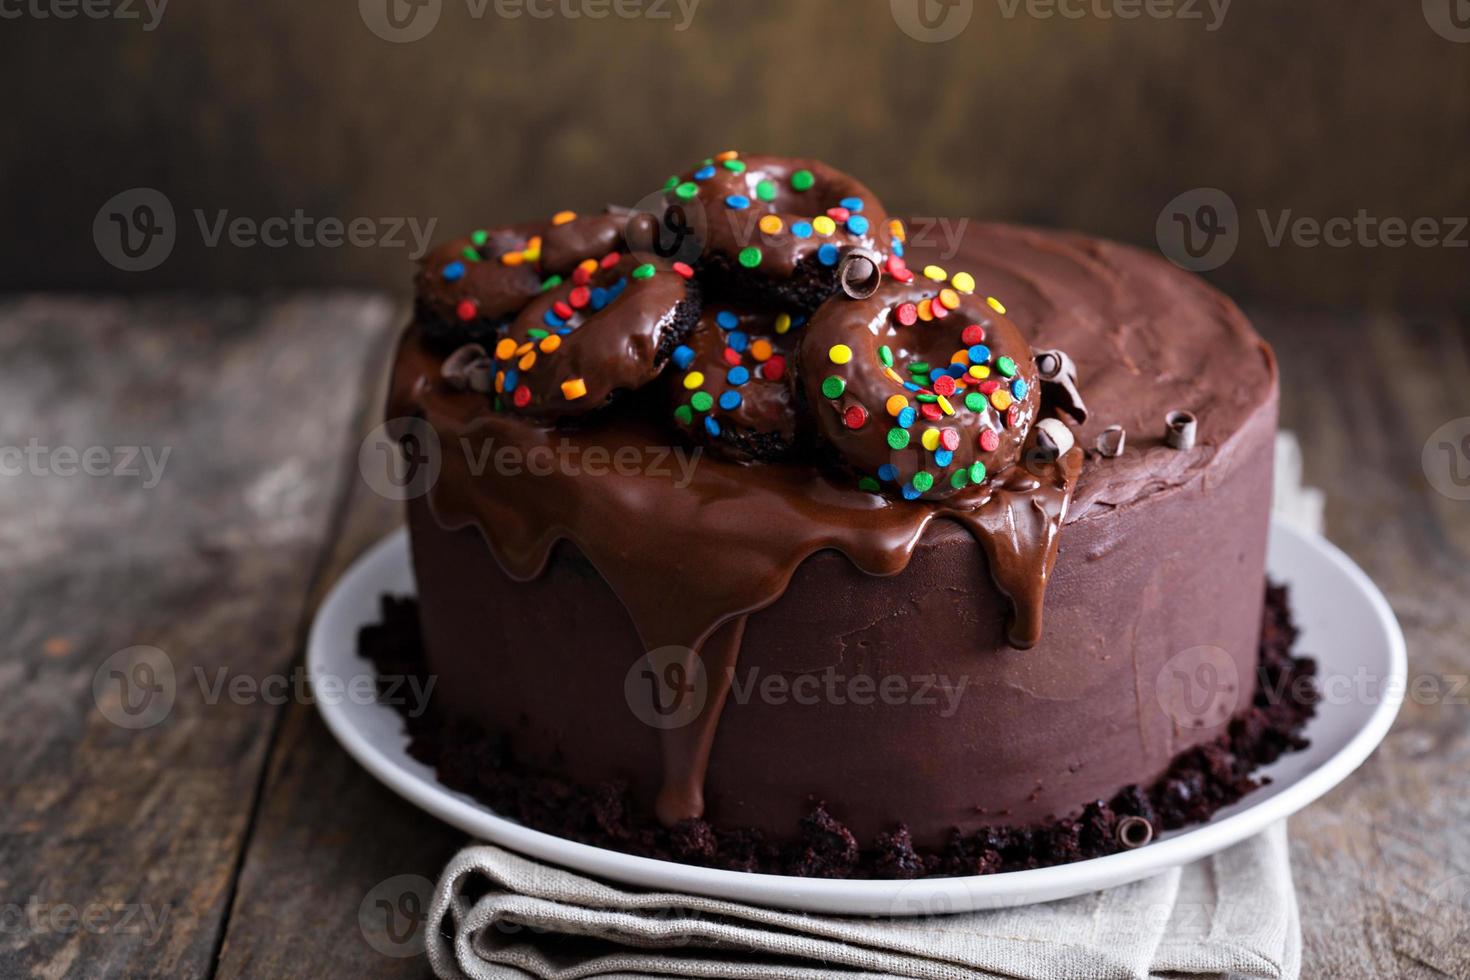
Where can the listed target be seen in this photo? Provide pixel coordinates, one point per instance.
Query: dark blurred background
(473, 112)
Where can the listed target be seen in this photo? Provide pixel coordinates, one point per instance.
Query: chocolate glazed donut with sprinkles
(924, 388)
(775, 229)
(731, 384)
(609, 327)
(467, 289)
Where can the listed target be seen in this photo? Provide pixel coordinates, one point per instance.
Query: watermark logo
(135, 688)
(135, 230)
(149, 13)
(404, 21)
(400, 21)
(659, 228)
(143, 463)
(394, 915)
(1446, 459)
(667, 688)
(932, 21)
(1199, 229)
(1209, 12)
(401, 458)
(1450, 19)
(1199, 687)
(37, 917)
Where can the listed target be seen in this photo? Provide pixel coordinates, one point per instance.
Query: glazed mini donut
(467, 289)
(731, 384)
(608, 327)
(774, 229)
(922, 388)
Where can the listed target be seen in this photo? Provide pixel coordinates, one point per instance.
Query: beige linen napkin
(1230, 915)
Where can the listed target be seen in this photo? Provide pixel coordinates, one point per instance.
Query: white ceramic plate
(1345, 621)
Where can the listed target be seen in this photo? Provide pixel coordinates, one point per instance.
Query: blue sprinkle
(453, 271)
(727, 319)
(801, 229)
(910, 492)
(552, 320)
(853, 204)
(1018, 389)
(888, 472)
(737, 376)
(512, 378)
(619, 286)
(911, 386)
(683, 357)
(704, 173)
(857, 224)
(906, 417)
(957, 371)
(730, 400)
(943, 457)
(711, 426)
(737, 202)
(979, 354)
(598, 298)
(737, 340)
(564, 331)
(898, 248)
(827, 254)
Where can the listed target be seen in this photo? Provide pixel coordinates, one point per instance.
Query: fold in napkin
(501, 916)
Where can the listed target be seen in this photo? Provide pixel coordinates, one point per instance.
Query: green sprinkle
(551, 283)
(684, 414)
(765, 190)
(919, 367)
(735, 166)
(958, 479)
(926, 396)
(977, 472)
(923, 481)
(802, 180)
(470, 253)
(479, 237)
(672, 183)
(885, 354)
(975, 401)
(1006, 366)
(869, 484)
(702, 401)
(536, 333)
(497, 405)
(898, 438)
(833, 386)
(750, 256)
(686, 191)
(644, 271)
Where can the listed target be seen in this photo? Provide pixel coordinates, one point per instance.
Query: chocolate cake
(771, 532)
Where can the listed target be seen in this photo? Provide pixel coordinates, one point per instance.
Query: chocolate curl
(1110, 441)
(1053, 439)
(1134, 832)
(860, 273)
(1059, 383)
(468, 367)
(1179, 429)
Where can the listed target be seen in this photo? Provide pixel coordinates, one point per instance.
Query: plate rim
(400, 773)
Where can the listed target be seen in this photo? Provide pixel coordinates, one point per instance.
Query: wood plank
(1383, 862)
(139, 830)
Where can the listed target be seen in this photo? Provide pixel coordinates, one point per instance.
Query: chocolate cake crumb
(1199, 782)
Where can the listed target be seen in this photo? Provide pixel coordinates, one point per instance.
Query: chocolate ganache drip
(773, 434)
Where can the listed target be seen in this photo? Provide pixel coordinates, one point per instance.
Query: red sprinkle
(684, 269)
(973, 334)
(839, 215)
(775, 368)
(988, 385)
(1013, 416)
(906, 314)
(467, 309)
(855, 417)
(562, 310)
(580, 297)
(581, 276)
(989, 440)
(944, 385)
(522, 397)
(929, 410)
(895, 265)
(949, 439)
(731, 355)
(610, 259)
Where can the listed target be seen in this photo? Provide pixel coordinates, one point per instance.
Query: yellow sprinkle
(944, 405)
(980, 371)
(573, 389)
(964, 282)
(724, 155)
(562, 217)
(896, 404)
(935, 273)
(930, 439)
(550, 343)
(892, 375)
(505, 350)
(761, 349)
(693, 380)
(995, 304)
(824, 225)
(949, 299)
(895, 228)
(1001, 399)
(527, 362)
(533, 254)
(770, 224)
(588, 265)
(840, 354)
(783, 322)
(926, 310)
(499, 382)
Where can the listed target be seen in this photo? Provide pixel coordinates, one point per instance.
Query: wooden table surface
(234, 838)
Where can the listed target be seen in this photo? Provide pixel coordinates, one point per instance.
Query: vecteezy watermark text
(38, 917)
(405, 21)
(1210, 12)
(133, 462)
(148, 12)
